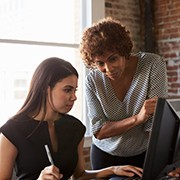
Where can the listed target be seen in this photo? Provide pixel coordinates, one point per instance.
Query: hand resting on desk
(175, 173)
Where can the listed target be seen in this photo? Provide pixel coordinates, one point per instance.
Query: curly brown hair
(107, 35)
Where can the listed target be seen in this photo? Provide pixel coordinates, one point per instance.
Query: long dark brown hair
(47, 74)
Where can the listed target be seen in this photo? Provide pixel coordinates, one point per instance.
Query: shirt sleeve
(10, 131)
(158, 83)
(95, 112)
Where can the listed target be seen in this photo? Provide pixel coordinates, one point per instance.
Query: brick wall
(166, 27)
(87, 157)
(167, 33)
(128, 12)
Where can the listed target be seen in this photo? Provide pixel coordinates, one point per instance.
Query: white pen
(49, 154)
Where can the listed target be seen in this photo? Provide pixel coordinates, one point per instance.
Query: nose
(73, 96)
(107, 67)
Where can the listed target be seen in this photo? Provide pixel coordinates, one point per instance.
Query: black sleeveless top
(32, 157)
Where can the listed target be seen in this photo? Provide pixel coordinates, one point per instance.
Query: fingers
(137, 171)
(147, 110)
(152, 105)
(175, 173)
(134, 170)
(50, 173)
(128, 171)
(149, 107)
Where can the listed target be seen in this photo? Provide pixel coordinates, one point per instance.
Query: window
(31, 31)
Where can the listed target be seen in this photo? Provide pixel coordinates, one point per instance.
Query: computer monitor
(163, 154)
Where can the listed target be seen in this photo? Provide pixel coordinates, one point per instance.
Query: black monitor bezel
(156, 165)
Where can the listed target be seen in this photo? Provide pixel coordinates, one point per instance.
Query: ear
(48, 91)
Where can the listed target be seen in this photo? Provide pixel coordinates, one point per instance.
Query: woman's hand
(128, 170)
(147, 110)
(50, 173)
(175, 173)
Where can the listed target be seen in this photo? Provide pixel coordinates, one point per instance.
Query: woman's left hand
(128, 170)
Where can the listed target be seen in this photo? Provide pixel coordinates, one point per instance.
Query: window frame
(92, 11)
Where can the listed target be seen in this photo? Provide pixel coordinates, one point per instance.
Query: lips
(113, 75)
(69, 106)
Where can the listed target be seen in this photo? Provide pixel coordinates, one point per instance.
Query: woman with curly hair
(122, 88)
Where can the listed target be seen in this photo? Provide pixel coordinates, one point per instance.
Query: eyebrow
(99, 60)
(111, 56)
(69, 86)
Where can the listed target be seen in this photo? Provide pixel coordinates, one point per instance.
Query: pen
(49, 154)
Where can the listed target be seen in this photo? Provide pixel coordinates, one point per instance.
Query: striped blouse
(150, 79)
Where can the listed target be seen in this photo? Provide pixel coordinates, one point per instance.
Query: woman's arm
(110, 128)
(157, 88)
(104, 128)
(8, 153)
(81, 174)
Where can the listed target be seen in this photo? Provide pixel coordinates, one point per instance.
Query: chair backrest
(14, 175)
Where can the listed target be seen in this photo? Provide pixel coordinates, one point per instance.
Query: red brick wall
(87, 157)
(167, 33)
(128, 12)
(166, 27)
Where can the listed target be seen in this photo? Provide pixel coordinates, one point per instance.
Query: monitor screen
(163, 154)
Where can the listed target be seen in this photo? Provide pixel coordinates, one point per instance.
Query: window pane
(40, 20)
(31, 31)
(18, 62)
